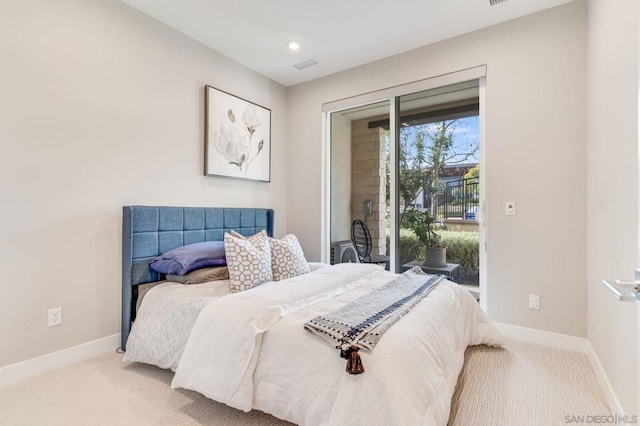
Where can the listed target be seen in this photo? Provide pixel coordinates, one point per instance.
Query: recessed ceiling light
(293, 45)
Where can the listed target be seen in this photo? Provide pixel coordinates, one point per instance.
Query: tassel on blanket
(354, 363)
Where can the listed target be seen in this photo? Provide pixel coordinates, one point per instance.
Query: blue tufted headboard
(150, 231)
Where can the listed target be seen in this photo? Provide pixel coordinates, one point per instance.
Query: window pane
(438, 158)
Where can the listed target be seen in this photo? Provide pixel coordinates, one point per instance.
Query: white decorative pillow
(287, 258)
(242, 237)
(248, 261)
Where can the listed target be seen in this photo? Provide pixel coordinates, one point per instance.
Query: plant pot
(435, 256)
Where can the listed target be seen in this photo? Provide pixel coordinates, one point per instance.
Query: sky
(466, 138)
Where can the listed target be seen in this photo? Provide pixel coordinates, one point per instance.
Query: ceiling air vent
(494, 2)
(309, 62)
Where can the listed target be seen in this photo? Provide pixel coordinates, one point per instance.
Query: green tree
(473, 172)
(424, 151)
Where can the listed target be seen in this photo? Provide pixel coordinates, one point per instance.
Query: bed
(148, 231)
(249, 350)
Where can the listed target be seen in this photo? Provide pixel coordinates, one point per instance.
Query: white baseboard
(24, 370)
(603, 381)
(544, 338)
(569, 343)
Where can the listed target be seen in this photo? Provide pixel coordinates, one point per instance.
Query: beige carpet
(521, 385)
(525, 385)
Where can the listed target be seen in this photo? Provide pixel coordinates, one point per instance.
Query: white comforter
(249, 350)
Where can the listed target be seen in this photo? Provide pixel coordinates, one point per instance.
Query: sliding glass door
(409, 167)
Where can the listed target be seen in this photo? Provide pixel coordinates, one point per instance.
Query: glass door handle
(626, 291)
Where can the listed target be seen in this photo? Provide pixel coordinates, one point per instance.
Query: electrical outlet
(55, 317)
(534, 301)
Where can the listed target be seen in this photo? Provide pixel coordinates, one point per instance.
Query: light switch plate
(510, 208)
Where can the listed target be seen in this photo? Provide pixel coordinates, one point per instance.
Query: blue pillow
(182, 260)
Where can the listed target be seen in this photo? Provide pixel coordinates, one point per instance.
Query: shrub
(462, 247)
(410, 247)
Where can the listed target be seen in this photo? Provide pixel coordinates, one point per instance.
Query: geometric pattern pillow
(287, 258)
(248, 261)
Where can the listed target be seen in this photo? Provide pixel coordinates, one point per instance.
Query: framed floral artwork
(237, 137)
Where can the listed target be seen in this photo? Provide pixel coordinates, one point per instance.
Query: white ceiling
(341, 34)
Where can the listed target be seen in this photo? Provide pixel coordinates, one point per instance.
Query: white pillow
(248, 261)
(287, 258)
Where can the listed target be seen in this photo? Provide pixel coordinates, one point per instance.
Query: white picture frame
(237, 137)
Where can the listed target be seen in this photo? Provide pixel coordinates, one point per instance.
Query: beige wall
(100, 107)
(368, 180)
(612, 208)
(535, 155)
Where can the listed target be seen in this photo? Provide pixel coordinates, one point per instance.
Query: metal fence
(460, 199)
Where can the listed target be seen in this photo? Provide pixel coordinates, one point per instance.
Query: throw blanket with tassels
(360, 324)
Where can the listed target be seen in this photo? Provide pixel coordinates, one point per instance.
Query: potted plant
(421, 222)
